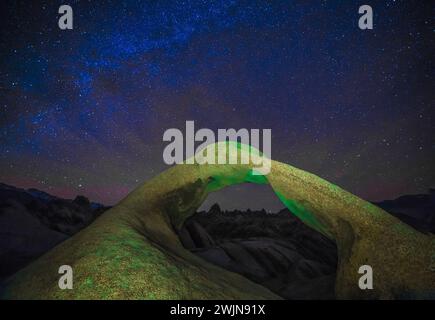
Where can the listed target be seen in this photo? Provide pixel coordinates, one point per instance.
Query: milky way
(83, 111)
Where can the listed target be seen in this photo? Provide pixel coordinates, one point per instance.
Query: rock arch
(133, 251)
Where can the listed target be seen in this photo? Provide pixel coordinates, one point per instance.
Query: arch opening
(269, 245)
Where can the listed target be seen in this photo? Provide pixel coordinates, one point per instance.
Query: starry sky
(83, 111)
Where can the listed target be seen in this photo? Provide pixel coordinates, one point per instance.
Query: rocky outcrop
(193, 235)
(275, 250)
(32, 222)
(23, 238)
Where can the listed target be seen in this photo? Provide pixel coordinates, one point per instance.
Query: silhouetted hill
(416, 210)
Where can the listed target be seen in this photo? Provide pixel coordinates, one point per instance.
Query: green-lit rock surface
(133, 252)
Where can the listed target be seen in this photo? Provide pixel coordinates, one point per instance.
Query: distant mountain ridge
(42, 195)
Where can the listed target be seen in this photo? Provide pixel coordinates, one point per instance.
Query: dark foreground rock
(275, 250)
(32, 222)
(23, 238)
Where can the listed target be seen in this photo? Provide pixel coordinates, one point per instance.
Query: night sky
(83, 111)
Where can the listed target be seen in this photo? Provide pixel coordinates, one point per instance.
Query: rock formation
(133, 251)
